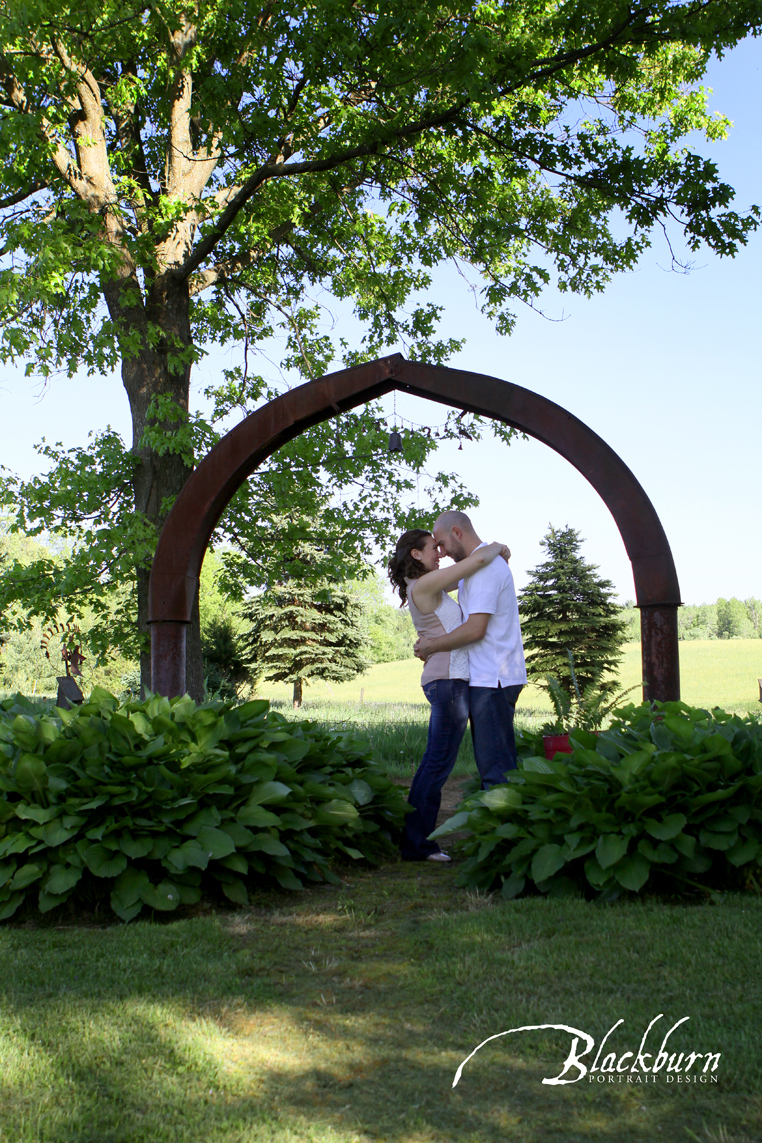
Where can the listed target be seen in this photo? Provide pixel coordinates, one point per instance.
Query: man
(492, 634)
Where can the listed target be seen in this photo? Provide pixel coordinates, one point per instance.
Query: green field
(715, 672)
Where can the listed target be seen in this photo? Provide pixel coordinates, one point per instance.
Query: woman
(414, 571)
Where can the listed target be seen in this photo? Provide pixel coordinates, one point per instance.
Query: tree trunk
(150, 371)
(297, 693)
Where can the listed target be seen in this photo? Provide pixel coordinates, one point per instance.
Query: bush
(664, 799)
(158, 802)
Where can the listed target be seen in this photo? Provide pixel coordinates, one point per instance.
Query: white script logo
(618, 1069)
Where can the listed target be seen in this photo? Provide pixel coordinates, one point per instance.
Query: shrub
(664, 799)
(156, 802)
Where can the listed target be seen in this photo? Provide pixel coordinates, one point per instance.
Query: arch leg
(660, 651)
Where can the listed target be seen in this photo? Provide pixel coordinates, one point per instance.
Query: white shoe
(442, 857)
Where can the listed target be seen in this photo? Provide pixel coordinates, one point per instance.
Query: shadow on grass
(342, 1015)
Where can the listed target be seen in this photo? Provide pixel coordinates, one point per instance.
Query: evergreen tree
(301, 632)
(567, 607)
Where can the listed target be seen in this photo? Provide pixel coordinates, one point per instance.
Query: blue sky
(664, 366)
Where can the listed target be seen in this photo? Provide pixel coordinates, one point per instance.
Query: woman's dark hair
(402, 564)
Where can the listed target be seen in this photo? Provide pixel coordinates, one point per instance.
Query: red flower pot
(556, 744)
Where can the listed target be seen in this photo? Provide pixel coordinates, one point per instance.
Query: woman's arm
(426, 591)
(474, 629)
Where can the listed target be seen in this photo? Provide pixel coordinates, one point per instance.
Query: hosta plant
(666, 799)
(152, 804)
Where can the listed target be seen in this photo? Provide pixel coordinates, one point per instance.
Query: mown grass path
(340, 1015)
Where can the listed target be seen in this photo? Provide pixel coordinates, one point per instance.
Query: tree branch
(19, 196)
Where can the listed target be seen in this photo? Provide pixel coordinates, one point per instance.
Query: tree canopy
(189, 173)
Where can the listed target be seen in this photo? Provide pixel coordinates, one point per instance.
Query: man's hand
(423, 648)
(505, 552)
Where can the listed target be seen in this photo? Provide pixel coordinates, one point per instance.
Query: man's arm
(474, 629)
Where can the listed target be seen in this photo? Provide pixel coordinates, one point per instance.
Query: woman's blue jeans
(447, 724)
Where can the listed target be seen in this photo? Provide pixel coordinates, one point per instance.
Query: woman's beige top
(448, 616)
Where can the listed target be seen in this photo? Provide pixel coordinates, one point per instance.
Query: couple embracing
(474, 660)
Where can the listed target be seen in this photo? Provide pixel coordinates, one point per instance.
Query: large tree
(187, 172)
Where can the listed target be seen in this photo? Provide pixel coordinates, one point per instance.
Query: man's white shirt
(499, 656)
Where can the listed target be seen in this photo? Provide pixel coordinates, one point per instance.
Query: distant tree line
(726, 619)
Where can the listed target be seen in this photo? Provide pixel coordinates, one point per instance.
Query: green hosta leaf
(236, 862)
(257, 816)
(268, 792)
(31, 773)
(104, 862)
(190, 854)
(362, 792)
(547, 861)
(7, 869)
(235, 891)
(216, 842)
(633, 872)
(611, 848)
(128, 888)
(597, 876)
(48, 901)
(685, 843)
(164, 896)
(135, 847)
(457, 821)
(667, 828)
(661, 853)
(28, 873)
(286, 878)
(512, 886)
(54, 833)
(501, 798)
(266, 843)
(16, 843)
(39, 814)
(744, 851)
(711, 840)
(335, 812)
(125, 912)
(208, 817)
(60, 879)
(9, 907)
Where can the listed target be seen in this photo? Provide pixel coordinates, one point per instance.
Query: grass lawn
(714, 672)
(340, 1015)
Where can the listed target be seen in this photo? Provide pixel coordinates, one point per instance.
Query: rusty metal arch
(189, 526)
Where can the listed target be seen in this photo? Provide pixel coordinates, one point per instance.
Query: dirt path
(452, 795)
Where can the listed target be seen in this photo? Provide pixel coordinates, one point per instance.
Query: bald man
(492, 635)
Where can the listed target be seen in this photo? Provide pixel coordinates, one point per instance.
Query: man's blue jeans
(449, 716)
(492, 710)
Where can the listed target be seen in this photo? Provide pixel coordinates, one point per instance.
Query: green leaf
(31, 773)
(362, 792)
(9, 907)
(216, 842)
(135, 847)
(335, 812)
(633, 872)
(266, 793)
(104, 862)
(547, 861)
(744, 851)
(165, 896)
(457, 821)
(667, 828)
(125, 912)
(128, 888)
(512, 886)
(266, 843)
(286, 878)
(28, 873)
(48, 901)
(611, 848)
(501, 798)
(711, 840)
(257, 816)
(190, 854)
(39, 814)
(61, 878)
(235, 891)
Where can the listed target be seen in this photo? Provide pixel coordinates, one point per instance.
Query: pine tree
(302, 632)
(567, 607)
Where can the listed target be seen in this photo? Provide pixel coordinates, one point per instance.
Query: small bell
(395, 442)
